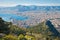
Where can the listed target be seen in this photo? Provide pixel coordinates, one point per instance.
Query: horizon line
(30, 5)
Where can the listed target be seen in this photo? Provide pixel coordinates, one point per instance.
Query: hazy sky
(28, 2)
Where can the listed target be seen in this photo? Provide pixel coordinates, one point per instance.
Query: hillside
(45, 30)
(42, 31)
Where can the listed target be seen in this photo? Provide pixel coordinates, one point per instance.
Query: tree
(4, 26)
(16, 30)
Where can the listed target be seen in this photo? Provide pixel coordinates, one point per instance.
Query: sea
(8, 17)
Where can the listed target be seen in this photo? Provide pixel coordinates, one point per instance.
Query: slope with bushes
(42, 31)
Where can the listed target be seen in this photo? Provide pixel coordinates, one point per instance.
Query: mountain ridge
(22, 8)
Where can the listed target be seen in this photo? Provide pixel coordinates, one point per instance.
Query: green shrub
(1, 38)
(21, 37)
(10, 37)
(28, 37)
(16, 30)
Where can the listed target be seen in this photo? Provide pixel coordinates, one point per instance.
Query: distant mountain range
(22, 8)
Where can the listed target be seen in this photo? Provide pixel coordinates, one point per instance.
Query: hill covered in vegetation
(42, 31)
